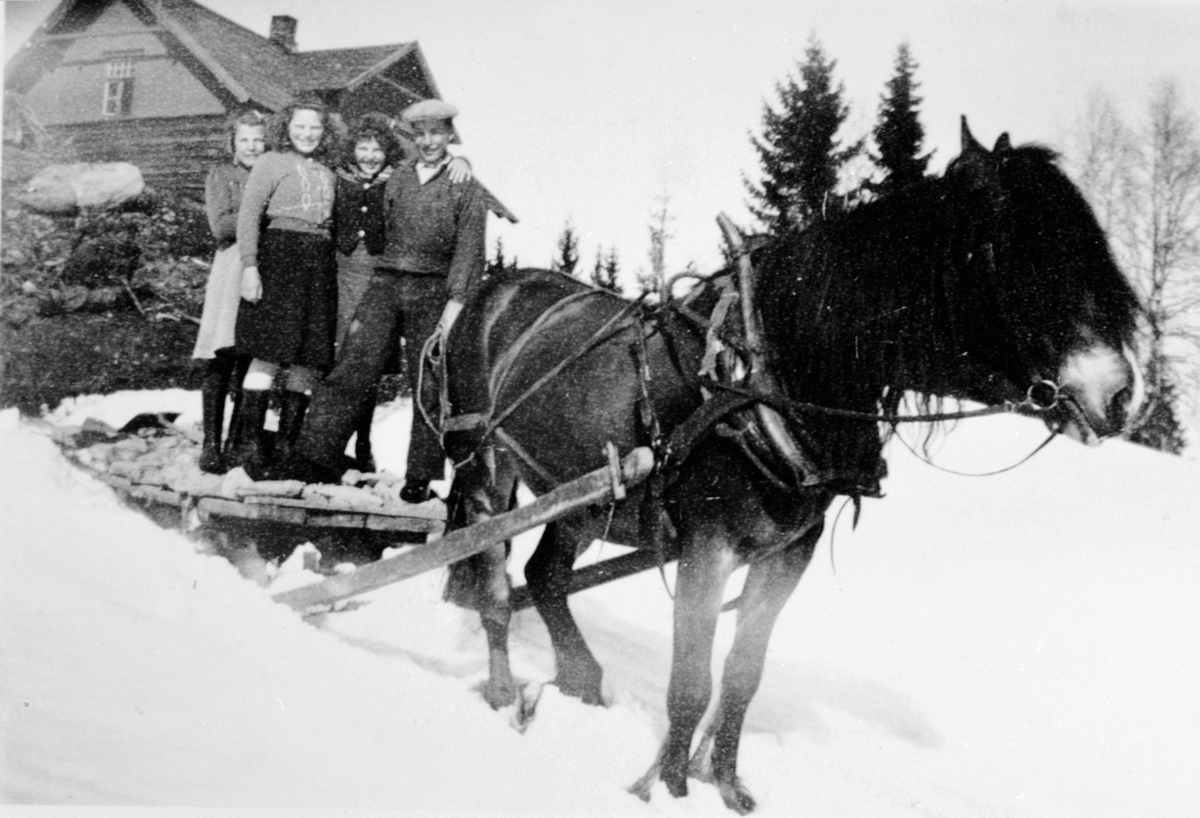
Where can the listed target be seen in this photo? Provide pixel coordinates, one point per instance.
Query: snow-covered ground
(1026, 644)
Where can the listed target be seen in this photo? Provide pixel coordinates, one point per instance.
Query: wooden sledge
(142, 467)
(183, 497)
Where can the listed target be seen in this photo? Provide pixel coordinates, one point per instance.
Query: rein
(1029, 405)
(1020, 462)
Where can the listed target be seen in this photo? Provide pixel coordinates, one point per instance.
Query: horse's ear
(1002, 144)
(969, 143)
(975, 166)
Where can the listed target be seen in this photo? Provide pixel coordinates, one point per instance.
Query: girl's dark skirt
(295, 320)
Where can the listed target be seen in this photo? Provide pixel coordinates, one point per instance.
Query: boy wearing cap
(435, 250)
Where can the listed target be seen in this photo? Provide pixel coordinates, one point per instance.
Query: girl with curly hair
(370, 153)
(288, 315)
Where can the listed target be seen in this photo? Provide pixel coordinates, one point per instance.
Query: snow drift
(1021, 644)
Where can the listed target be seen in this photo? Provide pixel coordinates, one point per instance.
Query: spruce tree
(605, 273)
(898, 132)
(799, 150)
(568, 249)
(496, 263)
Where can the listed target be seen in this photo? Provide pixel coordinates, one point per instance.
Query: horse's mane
(992, 266)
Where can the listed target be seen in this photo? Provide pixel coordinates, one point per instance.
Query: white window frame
(118, 88)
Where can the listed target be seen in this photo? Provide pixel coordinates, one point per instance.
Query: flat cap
(429, 109)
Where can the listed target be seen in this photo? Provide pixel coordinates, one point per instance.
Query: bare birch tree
(660, 232)
(1144, 185)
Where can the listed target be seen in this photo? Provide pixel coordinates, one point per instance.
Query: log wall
(173, 154)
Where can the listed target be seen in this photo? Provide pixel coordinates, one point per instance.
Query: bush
(104, 302)
(157, 251)
(50, 359)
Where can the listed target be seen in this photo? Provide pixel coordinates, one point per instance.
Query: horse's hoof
(499, 701)
(526, 706)
(737, 797)
(499, 697)
(588, 695)
(583, 685)
(641, 788)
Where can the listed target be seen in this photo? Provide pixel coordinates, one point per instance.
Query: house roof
(249, 66)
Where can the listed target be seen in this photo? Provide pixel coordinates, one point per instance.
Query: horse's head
(1044, 309)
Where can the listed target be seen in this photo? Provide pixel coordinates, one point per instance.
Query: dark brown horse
(991, 283)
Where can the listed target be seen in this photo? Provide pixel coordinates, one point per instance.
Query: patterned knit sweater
(294, 192)
(436, 228)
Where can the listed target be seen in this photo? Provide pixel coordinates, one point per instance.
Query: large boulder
(64, 189)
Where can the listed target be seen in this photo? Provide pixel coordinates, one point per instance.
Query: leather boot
(212, 411)
(247, 450)
(415, 491)
(293, 406)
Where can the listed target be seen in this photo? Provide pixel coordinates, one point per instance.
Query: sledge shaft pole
(592, 488)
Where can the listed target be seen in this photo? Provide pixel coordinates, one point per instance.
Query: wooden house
(152, 82)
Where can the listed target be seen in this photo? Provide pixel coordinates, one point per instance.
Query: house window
(118, 88)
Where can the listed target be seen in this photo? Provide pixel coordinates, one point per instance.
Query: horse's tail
(467, 582)
(470, 582)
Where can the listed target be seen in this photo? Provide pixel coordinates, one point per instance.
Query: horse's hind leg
(769, 583)
(481, 581)
(548, 573)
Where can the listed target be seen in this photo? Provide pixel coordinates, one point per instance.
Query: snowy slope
(1021, 644)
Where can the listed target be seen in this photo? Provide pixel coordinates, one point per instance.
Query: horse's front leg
(704, 567)
(769, 583)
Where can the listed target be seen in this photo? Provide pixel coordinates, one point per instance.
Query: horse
(991, 283)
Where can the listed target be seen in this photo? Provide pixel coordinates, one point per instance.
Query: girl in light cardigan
(215, 340)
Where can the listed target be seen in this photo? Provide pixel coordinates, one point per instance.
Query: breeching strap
(598, 337)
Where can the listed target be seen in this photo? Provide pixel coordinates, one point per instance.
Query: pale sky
(592, 110)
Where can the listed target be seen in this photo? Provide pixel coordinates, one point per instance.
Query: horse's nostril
(1118, 408)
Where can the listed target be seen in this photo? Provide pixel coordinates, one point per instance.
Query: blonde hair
(252, 118)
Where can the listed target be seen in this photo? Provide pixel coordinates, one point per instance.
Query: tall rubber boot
(212, 409)
(362, 435)
(241, 363)
(293, 406)
(247, 450)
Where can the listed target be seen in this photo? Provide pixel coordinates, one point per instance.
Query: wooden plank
(336, 520)
(598, 573)
(158, 495)
(212, 507)
(378, 522)
(430, 512)
(594, 487)
(313, 503)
